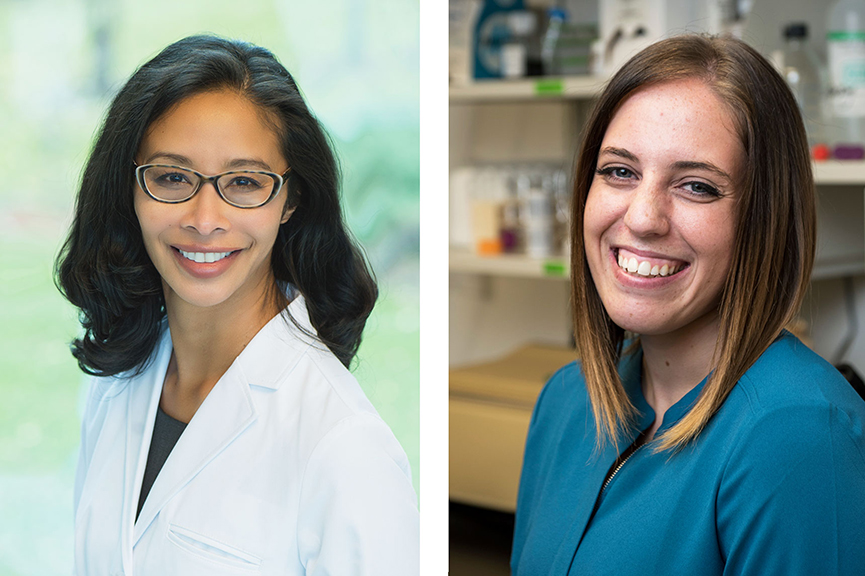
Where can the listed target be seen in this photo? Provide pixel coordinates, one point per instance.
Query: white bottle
(801, 69)
(845, 43)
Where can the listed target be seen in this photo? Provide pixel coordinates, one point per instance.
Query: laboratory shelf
(513, 265)
(839, 172)
(838, 267)
(557, 88)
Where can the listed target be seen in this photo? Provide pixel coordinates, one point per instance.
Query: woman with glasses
(222, 300)
(694, 435)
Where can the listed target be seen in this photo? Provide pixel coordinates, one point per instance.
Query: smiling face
(659, 222)
(208, 252)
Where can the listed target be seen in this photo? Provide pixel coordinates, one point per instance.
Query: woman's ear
(286, 213)
(290, 206)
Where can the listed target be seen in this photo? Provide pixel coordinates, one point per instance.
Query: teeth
(645, 268)
(202, 257)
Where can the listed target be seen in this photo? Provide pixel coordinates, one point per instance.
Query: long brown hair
(776, 226)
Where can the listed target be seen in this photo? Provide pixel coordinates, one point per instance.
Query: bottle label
(846, 74)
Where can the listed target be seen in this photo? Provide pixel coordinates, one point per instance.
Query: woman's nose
(205, 212)
(648, 210)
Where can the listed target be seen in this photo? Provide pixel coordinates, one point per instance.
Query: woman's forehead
(682, 120)
(216, 127)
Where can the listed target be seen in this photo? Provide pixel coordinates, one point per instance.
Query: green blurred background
(61, 62)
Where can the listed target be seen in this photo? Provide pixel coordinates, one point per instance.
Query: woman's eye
(616, 173)
(244, 183)
(702, 189)
(172, 179)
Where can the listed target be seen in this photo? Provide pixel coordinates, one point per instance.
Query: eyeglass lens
(173, 184)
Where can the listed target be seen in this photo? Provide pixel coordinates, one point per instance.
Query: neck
(673, 364)
(206, 342)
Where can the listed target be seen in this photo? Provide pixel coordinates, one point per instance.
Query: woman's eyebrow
(694, 165)
(246, 162)
(181, 160)
(176, 158)
(619, 152)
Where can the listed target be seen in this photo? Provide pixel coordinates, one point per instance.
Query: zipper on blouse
(639, 442)
(624, 457)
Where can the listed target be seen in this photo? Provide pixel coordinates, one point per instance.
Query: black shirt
(166, 433)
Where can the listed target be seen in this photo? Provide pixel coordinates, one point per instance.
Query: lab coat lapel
(142, 400)
(225, 413)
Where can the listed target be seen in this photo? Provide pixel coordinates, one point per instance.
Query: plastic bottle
(555, 21)
(802, 72)
(845, 43)
(515, 53)
(536, 215)
(567, 45)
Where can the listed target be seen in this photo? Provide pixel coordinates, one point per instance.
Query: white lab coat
(285, 469)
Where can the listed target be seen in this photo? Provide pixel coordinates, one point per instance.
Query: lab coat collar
(226, 412)
(289, 332)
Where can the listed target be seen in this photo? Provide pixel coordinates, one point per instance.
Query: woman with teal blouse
(695, 435)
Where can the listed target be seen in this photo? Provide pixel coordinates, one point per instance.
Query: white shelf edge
(572, 88)
(825, 269)
(839, 172)
(511, 265)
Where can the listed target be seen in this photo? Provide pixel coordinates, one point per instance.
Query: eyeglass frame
(279, 182)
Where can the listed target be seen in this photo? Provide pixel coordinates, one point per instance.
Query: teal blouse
(774, 485)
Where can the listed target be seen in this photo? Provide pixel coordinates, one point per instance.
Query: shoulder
(564, 391)
(790, 372)
(349, 433)
(357, 504)
(338, 428)
(357, 443)
(565, 397)
(791, 390)
(560, 423)
(796, 426)
(105, 388)
(795, 466)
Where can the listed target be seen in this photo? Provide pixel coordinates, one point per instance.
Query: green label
(554, 268)
(846, 36)
(549, 87)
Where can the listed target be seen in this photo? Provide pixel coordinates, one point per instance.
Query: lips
(204, 263)
(648, 266)
(202, 257)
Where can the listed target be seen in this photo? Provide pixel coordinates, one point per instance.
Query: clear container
(802, 72)
(567, 46)
(845, 97)
(536, 214)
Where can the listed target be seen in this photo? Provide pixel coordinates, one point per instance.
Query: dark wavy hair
(103, 268)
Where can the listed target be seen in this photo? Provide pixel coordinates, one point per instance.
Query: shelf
(838, 267)
(562, 88)
(513, 265)
(557, 268)
(839, 172)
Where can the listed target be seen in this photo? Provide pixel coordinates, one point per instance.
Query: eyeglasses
(240, 188)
